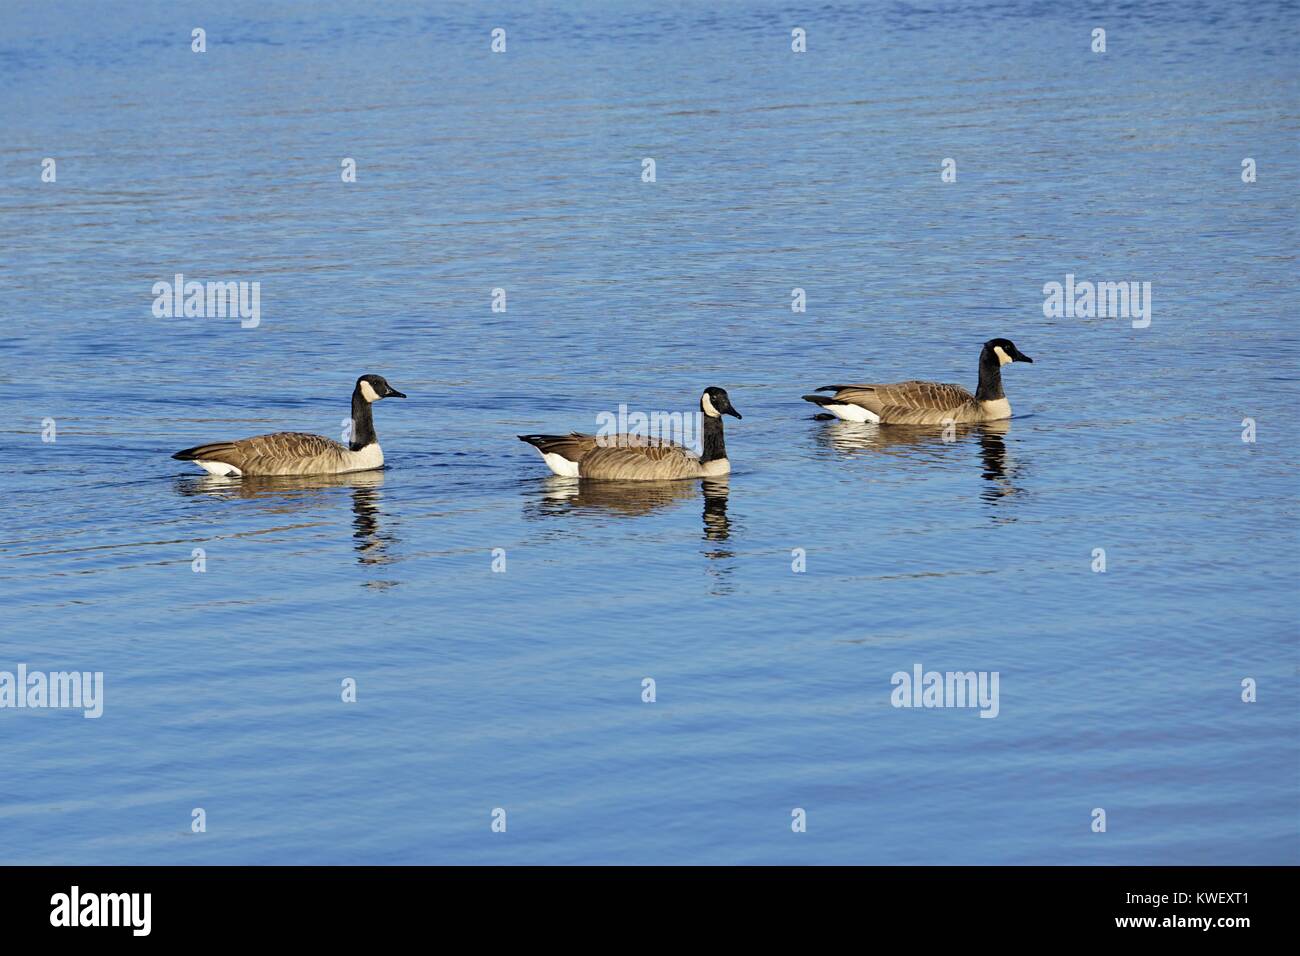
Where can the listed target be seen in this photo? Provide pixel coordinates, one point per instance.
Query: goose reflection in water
(292, 495)
(927, 443)
(632, 499)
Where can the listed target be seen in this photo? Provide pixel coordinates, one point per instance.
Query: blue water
(521, 689)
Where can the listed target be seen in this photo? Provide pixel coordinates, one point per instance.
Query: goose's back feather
(575, 445)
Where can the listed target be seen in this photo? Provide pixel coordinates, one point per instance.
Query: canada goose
(638, 458)
(928, 403)
(294, 453)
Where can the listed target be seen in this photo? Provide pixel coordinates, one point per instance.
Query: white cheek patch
(368, 392)
(1003, 357)
(707, 405)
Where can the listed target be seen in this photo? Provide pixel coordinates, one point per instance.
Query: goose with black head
(928, 403)
(296, 453)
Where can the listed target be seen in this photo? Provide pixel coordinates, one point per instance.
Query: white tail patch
(852, 413)
(560, 465)
(219, 468)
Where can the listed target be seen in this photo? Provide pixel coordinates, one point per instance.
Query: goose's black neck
(363, 424)
(714, 446)
(990, 386)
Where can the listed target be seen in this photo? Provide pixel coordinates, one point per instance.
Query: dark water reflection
(634, 499)
(572, 497)
(924, 446)
(289, 495)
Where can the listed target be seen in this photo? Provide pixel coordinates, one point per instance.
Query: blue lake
(522, 689)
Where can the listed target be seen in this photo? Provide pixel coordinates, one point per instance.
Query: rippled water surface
(523, 690)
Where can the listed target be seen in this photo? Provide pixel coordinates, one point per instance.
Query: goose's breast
(364, 459)
(995, 410)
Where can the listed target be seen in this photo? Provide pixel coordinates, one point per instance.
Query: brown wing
(662, 460)
(575, 446)
(923, 396)
(906, 399)
(293, 452)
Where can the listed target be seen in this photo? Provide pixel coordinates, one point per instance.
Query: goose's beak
(394, 393)
(732, 411)
(1022, 357)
